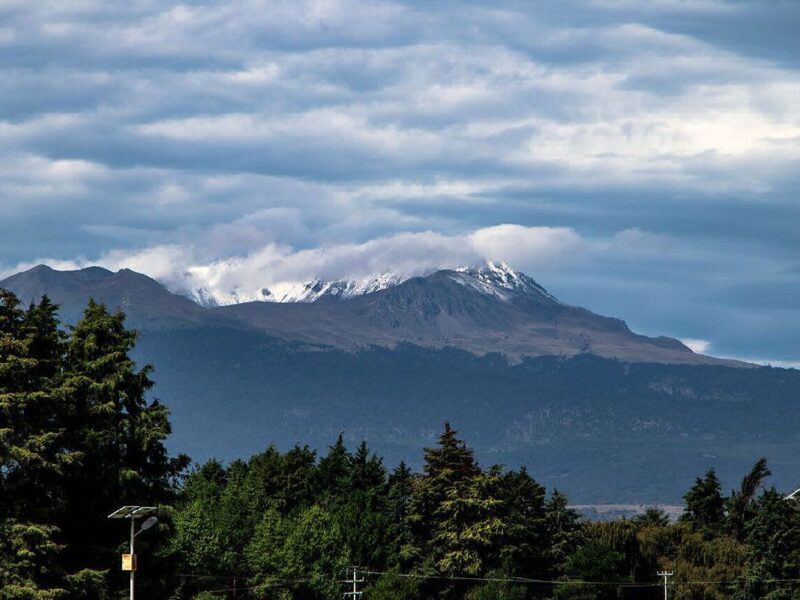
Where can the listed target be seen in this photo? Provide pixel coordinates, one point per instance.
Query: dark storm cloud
(648, 150)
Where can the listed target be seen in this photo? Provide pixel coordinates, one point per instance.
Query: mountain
(482, 310)
(310, 291)
(147, 303)
(592, 408)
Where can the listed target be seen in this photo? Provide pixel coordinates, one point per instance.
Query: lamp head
(148, 523)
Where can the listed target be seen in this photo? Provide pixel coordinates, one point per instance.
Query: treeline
(78, 438)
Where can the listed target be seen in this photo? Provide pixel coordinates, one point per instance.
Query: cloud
(405, 254)
(695, 345)
(642, 157)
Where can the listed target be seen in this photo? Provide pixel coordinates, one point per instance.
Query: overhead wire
(511, 580)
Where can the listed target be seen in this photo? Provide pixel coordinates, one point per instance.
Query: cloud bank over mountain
(637, 157)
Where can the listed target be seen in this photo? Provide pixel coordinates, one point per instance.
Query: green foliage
(497, 590)
(77, 439)
(740, 501)
(596, 563)
(79, 435)
(393, 586)
(705, 506)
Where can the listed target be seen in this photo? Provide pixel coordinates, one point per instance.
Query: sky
(638, 158)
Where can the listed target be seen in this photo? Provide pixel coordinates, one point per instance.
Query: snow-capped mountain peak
(309, 291)
(500, 280)
(492, 278)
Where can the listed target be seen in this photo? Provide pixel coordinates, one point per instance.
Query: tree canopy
(81, 434)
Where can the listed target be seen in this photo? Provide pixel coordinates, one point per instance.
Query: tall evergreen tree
(32, 459)
(705, 505)
(115, 433)
(525, 526)
(447, 468)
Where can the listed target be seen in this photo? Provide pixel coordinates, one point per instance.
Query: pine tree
(333, 472)
(447, 467)
(404, 550)
(31, 458)
(362, 514)
(705, 506)
(564, 533)
(114, 436)
(524, 518)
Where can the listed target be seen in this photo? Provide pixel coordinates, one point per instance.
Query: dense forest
(80, 436)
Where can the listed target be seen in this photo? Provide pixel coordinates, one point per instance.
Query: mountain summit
(485, 309)
(495, 279)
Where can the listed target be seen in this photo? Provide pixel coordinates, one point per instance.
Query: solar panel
(133, 512)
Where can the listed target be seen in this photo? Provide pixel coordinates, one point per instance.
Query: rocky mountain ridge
(486, 309)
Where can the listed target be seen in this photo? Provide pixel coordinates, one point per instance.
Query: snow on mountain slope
(500, 280)
(311, 291)
(493, 279)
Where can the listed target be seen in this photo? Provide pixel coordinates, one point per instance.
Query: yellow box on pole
(128, 562)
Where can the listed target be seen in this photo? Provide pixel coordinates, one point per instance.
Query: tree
(31, 457)
(333, 472)
(314, 552)
(598, 564)
(705, 506)
(115, 437)
(393, 586)
(404, 550)
(739, 502)
(525, 536)
(772, 535)
(468, 525)
(446, 469)
(564, 533)
(361, 513)
(652, 516)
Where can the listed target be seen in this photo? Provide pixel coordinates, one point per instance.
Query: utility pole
(666, 575)
(352, 573)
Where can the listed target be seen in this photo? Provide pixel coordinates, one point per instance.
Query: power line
(358, 573)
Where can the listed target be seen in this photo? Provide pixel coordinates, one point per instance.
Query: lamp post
(133, 513)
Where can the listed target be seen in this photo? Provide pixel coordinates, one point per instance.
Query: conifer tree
(404, 549)
(705, 506)
(446, 469)
(115, 433)
(31, 456)
(333, 472)
(468, 525)
(525, 527)
(564, 533)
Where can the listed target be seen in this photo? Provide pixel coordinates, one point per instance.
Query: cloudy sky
(639, 158)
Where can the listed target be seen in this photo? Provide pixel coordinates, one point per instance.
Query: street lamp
(133, 513)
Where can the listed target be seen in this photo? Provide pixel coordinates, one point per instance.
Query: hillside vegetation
(79, 437)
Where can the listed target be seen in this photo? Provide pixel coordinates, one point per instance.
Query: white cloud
(405, 254)
(530, 247)
(697, 345)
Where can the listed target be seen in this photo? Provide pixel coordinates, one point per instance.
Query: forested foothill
(80, 435)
